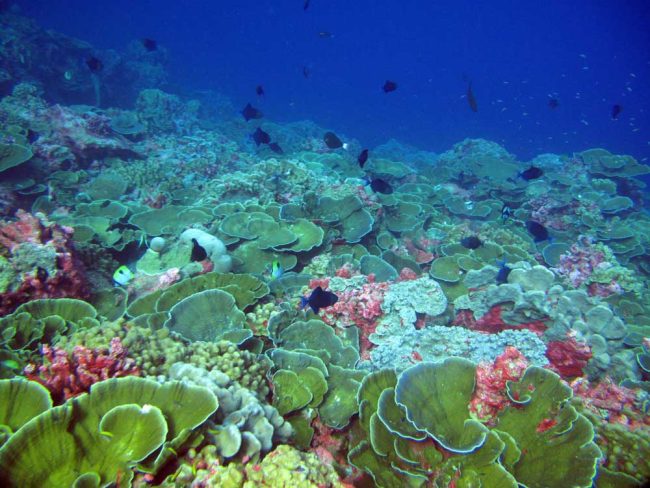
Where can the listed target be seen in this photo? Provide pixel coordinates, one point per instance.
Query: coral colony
(153, 261)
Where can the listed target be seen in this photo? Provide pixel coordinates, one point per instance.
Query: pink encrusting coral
(68, 375)
(569, 357)
(611, 402)
(580, 262)
(493, 322)
(361, 307)
(78, 138)
(490, 393)
(43, 261)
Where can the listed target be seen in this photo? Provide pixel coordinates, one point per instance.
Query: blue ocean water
(589, 55)
(324, 243)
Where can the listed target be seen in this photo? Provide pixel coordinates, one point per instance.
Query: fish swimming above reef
(389, 86)
(275, 147)
(276, 270)
(305, 5)
(94, 64)
(363, 157)
(537, 230)
(306, 72)
(259, 89)
(503, 273)
(332, 141)
(149, 44)
(616, 111)
(261, 137)
(553, 103)
(471, 242)
(122, 276)
(198, 252)
(380, 186)
(251, 112)
(471, 99)
(531, 173)
(506, 212)
(325, 35)
(318, 299)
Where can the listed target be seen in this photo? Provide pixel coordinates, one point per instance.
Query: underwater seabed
(194, 296)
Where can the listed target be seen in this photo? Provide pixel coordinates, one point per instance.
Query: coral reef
(40, 261)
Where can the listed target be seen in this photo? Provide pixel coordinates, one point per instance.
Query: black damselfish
(149, 44)
(471, 242)
(261, 137)
(537, 230)
(94, 64)
(363, 157)
(275, 147)
(332, 141)
(198, 252)
(318, 299)
(389, 86)
(251, 112)
(259, 89)
(531, 173)
(381, 186)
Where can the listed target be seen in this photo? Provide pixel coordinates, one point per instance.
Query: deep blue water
(589, 54)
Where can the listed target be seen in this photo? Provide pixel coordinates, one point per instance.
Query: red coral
(612, 403)
(493, 322)
(360, 307)
(490, 393)
(568, 358)
(68, 375)
(76, 137)
(27, 228)
(69, 280)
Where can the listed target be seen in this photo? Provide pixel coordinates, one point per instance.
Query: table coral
(68, 375)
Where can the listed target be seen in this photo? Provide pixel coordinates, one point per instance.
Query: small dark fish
(105, 203)
(471, 242)
(275, 147)
(363, 157)
(149, 44)
(306, 72)
(261, 137)
(251, 112)
(531, 173)
(381, 186)
(616, 111)
(471, 99)
(537, 230)
(553, 103)
(198, 252)
(506, 212)
(502, 274)
(389, 86)
(94, 64)
(259, 90)
(305, 5)
(332, 141)
(318, 299)
(41, 274)
(325, 35)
